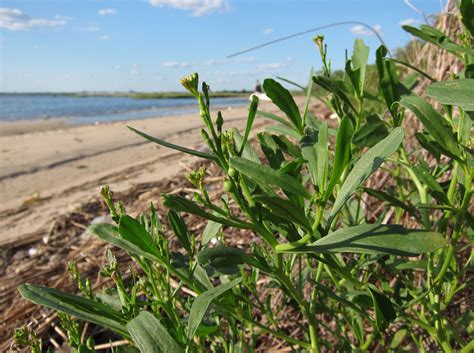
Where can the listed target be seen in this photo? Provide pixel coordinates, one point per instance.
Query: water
(89, 110)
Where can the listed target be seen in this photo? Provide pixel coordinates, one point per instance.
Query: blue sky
(148, 45)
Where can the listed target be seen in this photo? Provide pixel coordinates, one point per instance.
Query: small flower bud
(319, 39)
(191, 82)
(219, 121)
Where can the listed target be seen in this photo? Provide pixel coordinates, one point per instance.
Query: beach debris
(33, 198)
(102, 219)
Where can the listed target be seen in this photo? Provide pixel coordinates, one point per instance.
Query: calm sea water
(88, 110)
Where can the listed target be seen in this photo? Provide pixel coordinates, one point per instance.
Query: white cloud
(104, 37)
(170, 63)
(17, 20)
(271, 66)
(246, 59)
(216, 62)
(410, 22)
(268, 31)
(135, 71)
(117, 67)
(92, 29)
(107, 12)
(175, 64)
(360, 30)
(197, 7)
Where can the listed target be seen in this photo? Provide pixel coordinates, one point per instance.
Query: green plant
(352, 282)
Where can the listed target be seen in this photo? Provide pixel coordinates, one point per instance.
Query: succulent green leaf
(337, 87)
(250, 119)
(274, 117)
(365, 166)
(210, 231)
(376, 239)
(360, 56)
(398, 338)
(270, 149)
(180, 230)
(423, 173)
(322, 156)
(133, 231)
(308, 150)
(426, 141)
(291, 82)
(248, 152)
(201, 275)
(372, 132)
(434, 122)
(202, 302)
(438, 38)
(284, 209)
(266, 176)
(222, 258)
(456, 92)
(151, 336)
(283, 130)
(109, 234)
(283, 99)
(175, 147)
(384, 196)
(70, 304)
(342, 154)
(287, 146)
(180, 204)
(467, 15)
(388, 82)
(383, 307)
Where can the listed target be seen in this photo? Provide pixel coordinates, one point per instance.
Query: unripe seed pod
(219, 120)
(227, 186)
(232, 172)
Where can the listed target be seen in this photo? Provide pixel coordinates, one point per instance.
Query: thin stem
(305, 308)
(457, 228)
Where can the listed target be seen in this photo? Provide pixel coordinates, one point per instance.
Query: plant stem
(457, 228)
(305, 309)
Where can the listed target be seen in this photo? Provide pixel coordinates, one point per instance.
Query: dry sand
(48, 168)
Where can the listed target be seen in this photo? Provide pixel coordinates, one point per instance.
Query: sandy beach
(48, 168)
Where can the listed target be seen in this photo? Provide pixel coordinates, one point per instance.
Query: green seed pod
(227, 186)
(219, 121)
(232, 172)
(207, 139)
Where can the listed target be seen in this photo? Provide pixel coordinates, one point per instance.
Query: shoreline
(23, 122)
(22, 127)
(45, 173)
(25, 126)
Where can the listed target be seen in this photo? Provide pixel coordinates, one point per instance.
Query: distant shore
(131, 94)
(92, 108)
